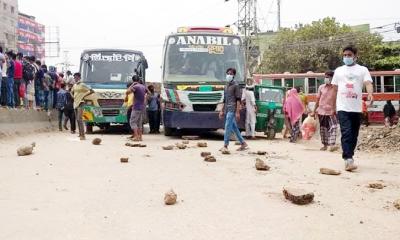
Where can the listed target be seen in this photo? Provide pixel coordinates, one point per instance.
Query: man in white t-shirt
(350, 80)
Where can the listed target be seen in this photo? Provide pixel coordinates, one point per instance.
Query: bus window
(320, 81)
(377, 83)
(289, 83)
(312, 86)
(299, 82)
(278, 82)
(397, 83)
(268, 82)
(388, 84)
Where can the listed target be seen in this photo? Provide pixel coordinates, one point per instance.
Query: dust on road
(76, 190)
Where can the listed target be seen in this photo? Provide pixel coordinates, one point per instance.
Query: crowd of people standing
(27, 83)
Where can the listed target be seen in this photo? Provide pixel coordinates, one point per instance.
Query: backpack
(28, 72)
(47, 81)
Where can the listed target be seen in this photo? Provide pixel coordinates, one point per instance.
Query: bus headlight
(123, 111)
(89, 102)
(97, 112)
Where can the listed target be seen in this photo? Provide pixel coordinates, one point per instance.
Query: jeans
(17, 99)
(55, 91)
(46, 100)
(3, 90)
(38, 97)
(154, 121)
(70, 114)
(349, 126)
(231, 125)
(10, 92)
(60, 118)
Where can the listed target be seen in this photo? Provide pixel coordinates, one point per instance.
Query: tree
(388, 56)
(317, 47)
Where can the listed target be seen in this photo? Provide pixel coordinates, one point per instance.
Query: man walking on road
(136, 120)
(325, 108)
(231, 110)
(349, 79)
(80, 92)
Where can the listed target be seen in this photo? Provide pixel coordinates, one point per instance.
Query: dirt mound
(380, 140)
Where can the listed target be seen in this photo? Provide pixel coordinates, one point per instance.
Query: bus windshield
(270, 95)
(109, 67)
(203, 58)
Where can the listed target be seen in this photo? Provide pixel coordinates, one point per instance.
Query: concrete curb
(19, 122)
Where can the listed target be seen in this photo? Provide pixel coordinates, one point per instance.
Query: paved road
(74, 190)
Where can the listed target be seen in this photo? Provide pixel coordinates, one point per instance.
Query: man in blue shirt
(10, 79)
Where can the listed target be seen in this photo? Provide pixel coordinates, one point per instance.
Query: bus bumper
(196, 120)
(98, 115)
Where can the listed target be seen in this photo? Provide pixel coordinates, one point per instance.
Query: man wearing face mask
(325, 108)
(231, 110)
(349, 80)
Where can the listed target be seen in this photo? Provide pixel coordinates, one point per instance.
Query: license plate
(110, 119)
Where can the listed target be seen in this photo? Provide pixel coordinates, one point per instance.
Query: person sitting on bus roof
(390, 113)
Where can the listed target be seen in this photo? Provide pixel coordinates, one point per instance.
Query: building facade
(8, 24)
(31, 36)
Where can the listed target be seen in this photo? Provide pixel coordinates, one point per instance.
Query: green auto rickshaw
(270, 117)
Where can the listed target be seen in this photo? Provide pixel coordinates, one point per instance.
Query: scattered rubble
(210, 158)
(261, 153)
(328, 171)
(186, 142)
(26, 150)
(376, 185)
(205, 154)
(261, 166)
(96, 141)
(170, 197)
(396, 204)
(190, 137)
(202, 144)
(124, 159)
(138, 145)
(380, 139)
(298, 196)
(181, 146)
(170, 147)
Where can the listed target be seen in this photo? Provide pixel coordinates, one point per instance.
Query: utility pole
(279, 14)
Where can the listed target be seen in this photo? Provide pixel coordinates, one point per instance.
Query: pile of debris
(380, 140)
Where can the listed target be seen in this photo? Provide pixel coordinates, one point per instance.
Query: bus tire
(169, 131)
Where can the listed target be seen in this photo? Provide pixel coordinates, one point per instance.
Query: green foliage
(317, 47)
(388, 56)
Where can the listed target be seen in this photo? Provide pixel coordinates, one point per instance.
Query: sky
(143, 25)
